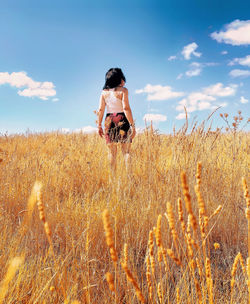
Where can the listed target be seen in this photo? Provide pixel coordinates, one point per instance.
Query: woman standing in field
(119, 125)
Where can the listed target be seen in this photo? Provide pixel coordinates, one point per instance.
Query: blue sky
(54, 56)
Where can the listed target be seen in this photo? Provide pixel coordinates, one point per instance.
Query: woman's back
(113, 99)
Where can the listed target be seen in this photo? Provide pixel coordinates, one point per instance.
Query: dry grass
(68, 260)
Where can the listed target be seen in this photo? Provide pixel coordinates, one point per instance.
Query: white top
(114, 104)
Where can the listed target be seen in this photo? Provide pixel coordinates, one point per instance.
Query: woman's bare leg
(112, 156)
(126, 154)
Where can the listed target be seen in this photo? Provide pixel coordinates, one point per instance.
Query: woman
(119, 125)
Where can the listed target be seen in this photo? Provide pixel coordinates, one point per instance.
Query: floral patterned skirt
(117, 128)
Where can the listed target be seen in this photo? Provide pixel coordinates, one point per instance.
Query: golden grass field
(180, 210)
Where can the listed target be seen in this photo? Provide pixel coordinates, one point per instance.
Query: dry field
(167, 231)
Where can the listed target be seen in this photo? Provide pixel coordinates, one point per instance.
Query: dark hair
(113, 78)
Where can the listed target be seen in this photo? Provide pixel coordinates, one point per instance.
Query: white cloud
(210, 64)
(154, 117)
(193, 100)
(193, 72)
(196, 68)
(159, 92)
(170, 58)
(65, 130)
(55, 99)
(243, 99)
(182, 116)
(224, 52)
(218, 90)
(42, 90)
(242, 61)
(239, 73)
(86, 129)
(195, 64)
(205, 99)
(189, 50)
(222, 104)
(236, 33)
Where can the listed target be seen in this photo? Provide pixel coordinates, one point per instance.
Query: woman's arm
(100, 114)
(127, 111)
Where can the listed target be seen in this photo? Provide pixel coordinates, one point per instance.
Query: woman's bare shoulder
(118, 89)
(124, 90)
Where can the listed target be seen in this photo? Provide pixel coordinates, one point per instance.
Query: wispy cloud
(245, 61)
(42, 90)
(154, 117)
(205, 99)
(195, 69)
(171, 58)
(65, 130)
(182, 116)
(243, 100)
(239, 73)
(224, 52)
(194, 72)
(235, 33)
(189, 50)
(85, 130)
(179, 76)
(159, 92)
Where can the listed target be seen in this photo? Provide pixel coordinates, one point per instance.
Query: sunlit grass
(70, 261)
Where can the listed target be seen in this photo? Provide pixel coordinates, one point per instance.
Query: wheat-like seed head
(242, 264)
(247, 213)
(178, 300)
(151, 252)
(131, 279)
(173, 257)
(159, 293)
(237, 260)
(42, 214)
(15, 263)
(164, 254)
(206, 219)
(209, 280)
(202, 225)
(199, 268)
(248, 274)
(110, 281)
(189, 245)
(109, 235)
(201, 203)
(158, 231)
(39, 203)
(180, 214)
(192, 265)
(198, 290)
(246, 193)
(189, 224)
(159, 254)
(187, 199)
(148, 277)
(171, 221)
(125, 253)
